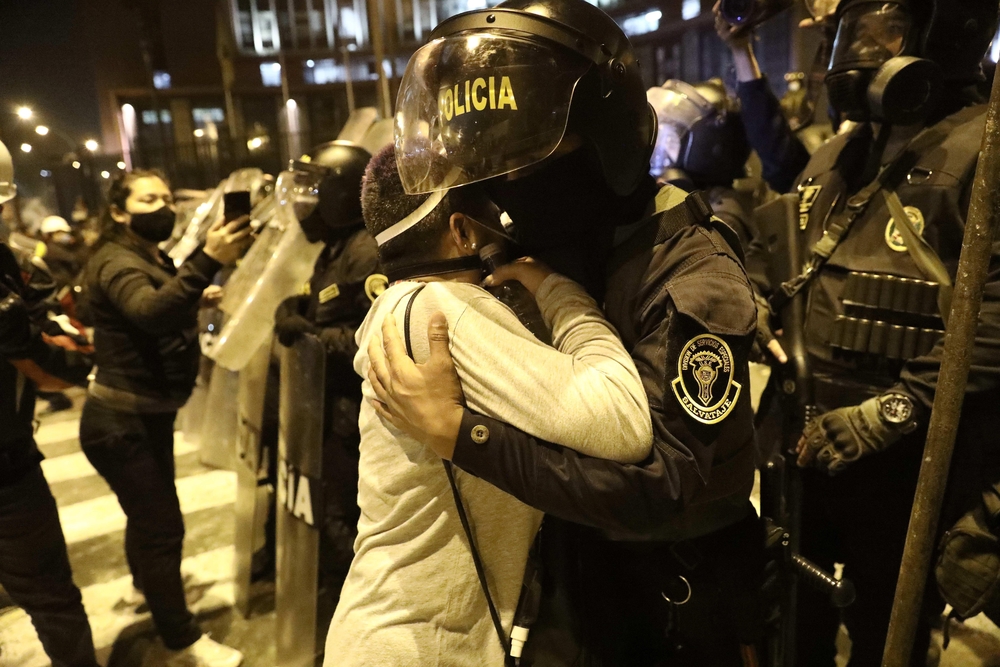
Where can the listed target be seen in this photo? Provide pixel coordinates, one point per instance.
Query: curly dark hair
(384, 202)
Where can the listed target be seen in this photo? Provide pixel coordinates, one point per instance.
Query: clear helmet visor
(869, 34)
(481, 104)
(299, 187)
(678, 107)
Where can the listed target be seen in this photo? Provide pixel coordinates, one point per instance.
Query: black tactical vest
(871, 308)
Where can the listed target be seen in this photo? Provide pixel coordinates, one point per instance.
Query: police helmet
(700, 132)
(328, 186)
(495, 90)
(890, 57)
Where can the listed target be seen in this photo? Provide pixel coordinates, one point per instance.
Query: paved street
(94, 528)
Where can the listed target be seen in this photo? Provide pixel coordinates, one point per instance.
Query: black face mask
(559, 213)
(155, 226)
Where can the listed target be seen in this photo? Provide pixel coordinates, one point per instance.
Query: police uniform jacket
(862, 336)
(684, 307)
(18, 452)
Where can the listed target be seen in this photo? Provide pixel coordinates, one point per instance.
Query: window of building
(690, 9)
(323, 71)
(161, 80)
(270, 74)
(149, 117)
(642, 23)
(206, 115)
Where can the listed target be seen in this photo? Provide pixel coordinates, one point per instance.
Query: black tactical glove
(15, 326)
(839, 437)
(289, 324)
(339, 341)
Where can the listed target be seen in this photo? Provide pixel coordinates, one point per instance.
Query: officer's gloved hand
(289, 324)
(837, 438)
(15, 325)
(339, 341)
(765, 347)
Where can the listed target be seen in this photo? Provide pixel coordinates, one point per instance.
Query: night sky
(45, 64)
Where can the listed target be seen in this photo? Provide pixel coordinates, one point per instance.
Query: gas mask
(873, 74)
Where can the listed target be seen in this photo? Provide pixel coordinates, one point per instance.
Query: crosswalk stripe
(103, 515)
(212, 586)
(50, 432)
(75, 466)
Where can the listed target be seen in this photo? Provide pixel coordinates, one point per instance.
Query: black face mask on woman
(155, 226)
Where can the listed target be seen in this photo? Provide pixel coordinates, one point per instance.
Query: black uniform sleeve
(150, 308)
(642, 497)
(782, 154)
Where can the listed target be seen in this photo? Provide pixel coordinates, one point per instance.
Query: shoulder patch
(894, 238)
(704, 385)
(375, 284)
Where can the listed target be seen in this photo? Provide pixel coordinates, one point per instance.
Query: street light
(121, 165)
(41, 130)
(91, 145)
(26, 148)
(24, 113)
(76, 164)
(105, 174)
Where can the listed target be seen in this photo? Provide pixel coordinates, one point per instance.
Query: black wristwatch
(897, 410)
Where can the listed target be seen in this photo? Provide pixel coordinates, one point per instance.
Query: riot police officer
(701, 145)
(553, 120)
(34, 564)
(343, 286)
(881, 211)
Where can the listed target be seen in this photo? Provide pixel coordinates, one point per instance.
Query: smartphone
(236, 205)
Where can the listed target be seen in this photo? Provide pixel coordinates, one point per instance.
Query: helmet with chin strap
(496, 90)
(892, 58)
(701, 133)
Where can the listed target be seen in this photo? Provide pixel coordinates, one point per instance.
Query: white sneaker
(205, 653)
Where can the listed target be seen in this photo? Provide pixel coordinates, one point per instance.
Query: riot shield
(209, 211)
(301, 624)
(378, 136)
(358, 124)
(276, 267)
(251, 462)
(218, 431)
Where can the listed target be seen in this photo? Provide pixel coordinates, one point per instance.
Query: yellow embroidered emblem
(375, 285)
(704, 385)
(894, 238)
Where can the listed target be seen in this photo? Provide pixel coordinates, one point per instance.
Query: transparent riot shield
(248, 179)
(218, 431)
(301, 623)
(378, 136)
(276, 267)
(358, 124)
(252, 469)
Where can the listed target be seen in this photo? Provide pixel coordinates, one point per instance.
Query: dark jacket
(669, 298)
(144, 314)
(782, 153)
(18, 453)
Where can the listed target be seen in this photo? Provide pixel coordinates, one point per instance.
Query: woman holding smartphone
(144, 313)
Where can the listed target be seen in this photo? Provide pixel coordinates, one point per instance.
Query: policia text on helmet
(497, 91)
(901, 62)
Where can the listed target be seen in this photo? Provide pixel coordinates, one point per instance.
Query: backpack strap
(462, 515)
